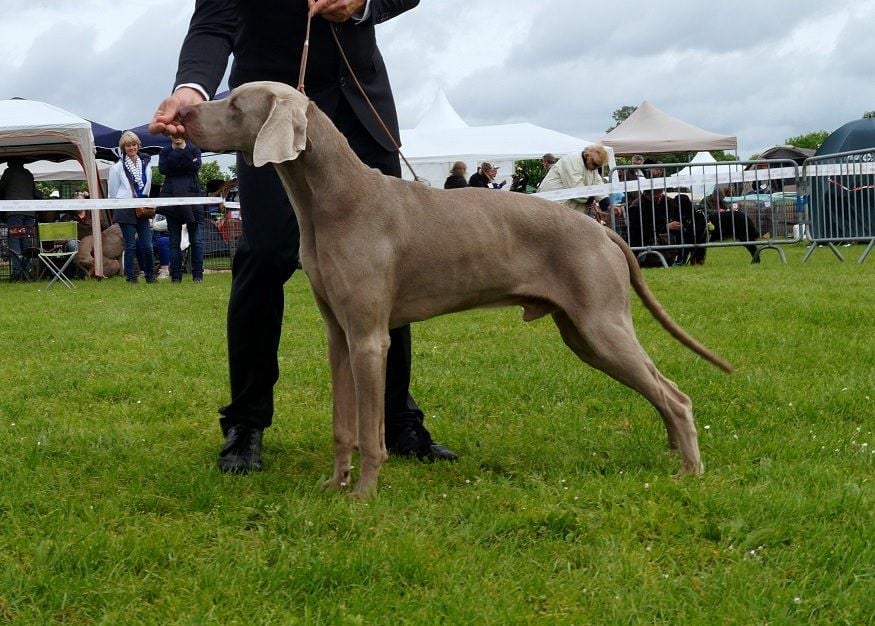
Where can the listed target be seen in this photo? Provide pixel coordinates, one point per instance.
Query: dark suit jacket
(267, 38)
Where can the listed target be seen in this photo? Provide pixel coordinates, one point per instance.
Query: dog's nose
(185, 112)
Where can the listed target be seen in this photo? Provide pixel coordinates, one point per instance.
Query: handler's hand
(166, 120)
(337, 10)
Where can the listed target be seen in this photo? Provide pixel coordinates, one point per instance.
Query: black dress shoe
(411, 439)
(242, 451)
(438, 452)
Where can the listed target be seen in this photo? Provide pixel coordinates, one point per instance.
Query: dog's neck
(327, 167)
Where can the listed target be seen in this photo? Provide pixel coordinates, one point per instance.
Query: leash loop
(305, 54)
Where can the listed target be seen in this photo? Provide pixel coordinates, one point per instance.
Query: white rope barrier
(669, 182)
(675, 181)
(102, 203)
(605, 189)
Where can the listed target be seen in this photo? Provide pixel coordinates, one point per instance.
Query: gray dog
(381, 252)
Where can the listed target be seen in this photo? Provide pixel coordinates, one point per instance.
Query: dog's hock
(283, 136)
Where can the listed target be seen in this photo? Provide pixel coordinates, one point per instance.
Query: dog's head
(266, 121)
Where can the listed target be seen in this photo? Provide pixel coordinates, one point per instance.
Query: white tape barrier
(673, 182)
(641, 184)
(103, 203)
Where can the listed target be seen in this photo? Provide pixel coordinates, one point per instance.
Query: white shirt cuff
(194, 86)
(366, 13)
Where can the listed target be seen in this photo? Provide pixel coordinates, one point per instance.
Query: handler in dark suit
(266, 38)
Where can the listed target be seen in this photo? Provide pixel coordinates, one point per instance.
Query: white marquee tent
(442, 137)
(649, 130)
(63, 170)
(709, 166)
(30, 128)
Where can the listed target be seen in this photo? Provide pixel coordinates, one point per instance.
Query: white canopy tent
(63, 171)
(709, 166)
(442, 137)
(649, 130)
(29, 128)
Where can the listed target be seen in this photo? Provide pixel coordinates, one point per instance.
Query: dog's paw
(363, 491)
(691, 469)
(338, 482)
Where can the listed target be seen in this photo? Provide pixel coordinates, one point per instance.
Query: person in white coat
(131, 177)
(578, 169)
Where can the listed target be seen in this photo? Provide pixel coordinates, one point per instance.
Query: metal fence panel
(674, 212)
(841, 194)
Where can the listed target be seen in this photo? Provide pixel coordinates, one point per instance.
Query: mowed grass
(563, 509)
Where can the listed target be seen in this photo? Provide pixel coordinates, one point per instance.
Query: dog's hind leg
(609, 344)
(343, 394)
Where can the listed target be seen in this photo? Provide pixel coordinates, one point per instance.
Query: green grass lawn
(562, 510)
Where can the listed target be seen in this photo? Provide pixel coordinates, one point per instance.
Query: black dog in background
(730, 224)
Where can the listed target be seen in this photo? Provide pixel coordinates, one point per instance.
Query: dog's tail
(660, 314)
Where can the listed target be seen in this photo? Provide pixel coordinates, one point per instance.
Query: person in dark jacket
(481, 177)
(180, 163)
(267, 39)
(456, 179)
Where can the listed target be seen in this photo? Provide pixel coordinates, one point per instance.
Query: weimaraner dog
(381, 252)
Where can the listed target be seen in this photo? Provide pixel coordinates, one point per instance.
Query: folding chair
(53, 238)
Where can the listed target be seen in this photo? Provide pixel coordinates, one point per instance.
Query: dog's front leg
(368, 364)
(343, 396)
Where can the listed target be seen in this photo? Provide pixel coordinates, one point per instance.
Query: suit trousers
(266, 258)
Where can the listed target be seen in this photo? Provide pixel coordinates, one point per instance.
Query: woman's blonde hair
(597, 151)
(127, 137)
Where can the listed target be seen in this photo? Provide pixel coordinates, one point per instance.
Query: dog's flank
(381, 252)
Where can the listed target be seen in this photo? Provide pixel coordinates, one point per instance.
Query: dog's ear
(284, 134)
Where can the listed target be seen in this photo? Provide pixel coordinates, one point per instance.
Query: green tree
(620, 116)
(210, 170)
(809, 140)
(868, 114)
(720, 155)
(46, 188)
(535, 169)
(157, 178)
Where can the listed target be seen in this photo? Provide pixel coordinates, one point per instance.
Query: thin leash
(304, 57)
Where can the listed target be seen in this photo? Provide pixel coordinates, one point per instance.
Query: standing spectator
(481, 178)
(131, 177)
(548, 161)
(17, 184)
(267, 45)
(578, 169)
(492, 175)
(456, 179)
(180, 163)
(485, 177)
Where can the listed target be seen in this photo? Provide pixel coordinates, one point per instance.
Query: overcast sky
(763, 70)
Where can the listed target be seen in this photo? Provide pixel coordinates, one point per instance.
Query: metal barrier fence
(841, 192)
(672, 213)
(220, 233)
